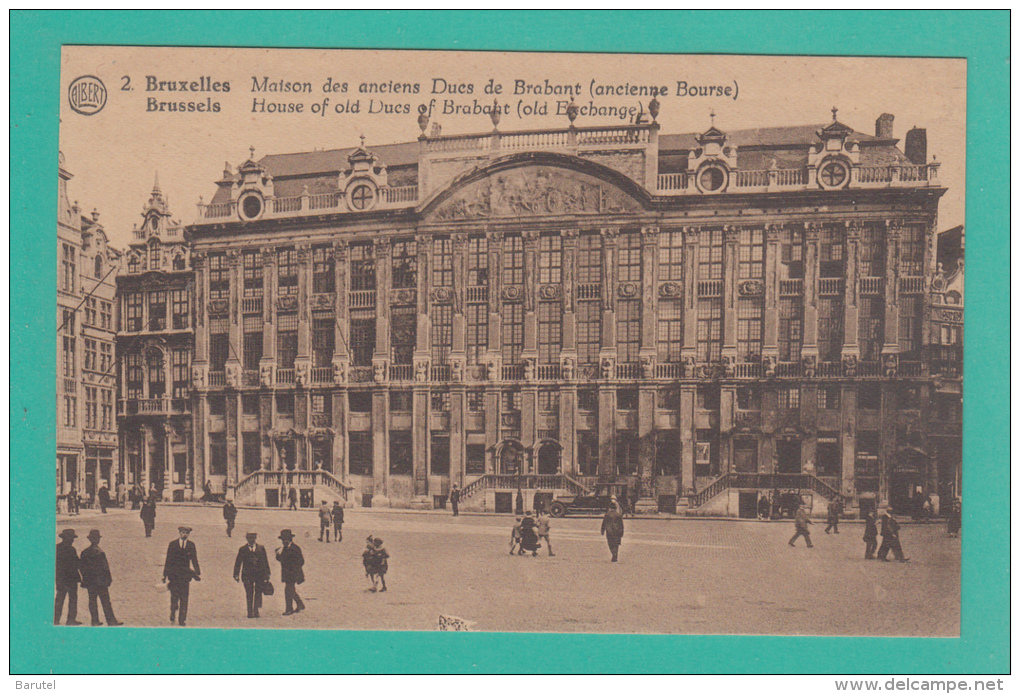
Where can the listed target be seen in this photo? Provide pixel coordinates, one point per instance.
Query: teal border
(981, 37)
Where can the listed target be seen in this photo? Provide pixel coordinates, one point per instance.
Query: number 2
(126, 87)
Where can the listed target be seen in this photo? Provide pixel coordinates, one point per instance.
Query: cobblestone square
(674, 576)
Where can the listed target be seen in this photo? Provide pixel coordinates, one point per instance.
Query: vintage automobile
(595, 503)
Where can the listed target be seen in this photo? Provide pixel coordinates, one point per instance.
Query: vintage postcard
(519, 342)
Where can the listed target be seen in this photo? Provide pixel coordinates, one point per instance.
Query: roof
(335, 160)
(787, 135)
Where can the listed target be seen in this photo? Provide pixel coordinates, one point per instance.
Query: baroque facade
(155, 343)
(702, 317)
(87, 266)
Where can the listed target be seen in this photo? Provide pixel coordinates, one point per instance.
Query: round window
(251, 206)
(833, 174)
(712, 178)
(362, 197)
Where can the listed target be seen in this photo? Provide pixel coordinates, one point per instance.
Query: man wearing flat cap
(252, 568)
(180, 556)
(291, 560)
(68, 578)
(97, 579)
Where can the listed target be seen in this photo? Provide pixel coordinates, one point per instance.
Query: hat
(94, 534)
(286, 534)
(183, 529)
(527, 513)
(377, 542)
(251, 533)
(369, 539)
(68, 534)
(324, 502)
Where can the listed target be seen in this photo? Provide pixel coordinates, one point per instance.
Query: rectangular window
(133, 311)
(323, 339)
(511, 400)
(442, 333)
(830, 328)
(588, 453)
(401, 453)
(106, 314)
(867, 453)
(400, 401)
(589, 331)
(751, 254)
(911, 315)
(476, 400)
(219, 276)
(478, 261)
(550, 331)
(403, 334)
(157, 374)
(908, 397)
(250, 404)
(90, 355)
(286, 271)
(105, 357)
(912, 251)
(107, 404)
(323, 270)
(750, 326)
(667, 452)
(629, 255)
(91, 407)
(362, 337)
(359, 401)
(626, 453)
(362, 267)
(285, 404)
(252, 342)
(708, 397)
(550, 260)
(587, 400)
(706, 453)
(671, 255)
(405, 265)
(871, 330)
(670, 330)
(70, 411)
(513, 260)
(710, 255)
(589, 259)
(440, 454)
(219, 344)
(217, 454)
(791, 253)
(828, 398)
(748, 398)
(477, 332)
(322, 404)
(440, 401)
(360, 451)
(745, 454)
(627, 399)
(154, 254)
(709, 328)
(157, 310)
(513, 332)
(628, 330)
(286, 340)
(789, 398)
(791, 324)
(869, 396)
(669, 399)
(548, 400)
(217, 405)
(830, 254)
(179, 373)
(827, 454)
(872, 258)
(474, 463)
(68, 262)
(251, 262)
(134, 375)
(442, 262)
(181, 309)
(251, 452)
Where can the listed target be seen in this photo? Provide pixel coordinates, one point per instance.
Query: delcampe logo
(87, 95)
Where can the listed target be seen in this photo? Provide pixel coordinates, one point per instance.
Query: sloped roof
(335, 160)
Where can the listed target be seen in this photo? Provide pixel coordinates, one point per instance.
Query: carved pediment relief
(535, 191)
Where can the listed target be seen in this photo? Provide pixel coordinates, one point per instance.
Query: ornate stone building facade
(155, 344)
(702, 317)
(86, 381)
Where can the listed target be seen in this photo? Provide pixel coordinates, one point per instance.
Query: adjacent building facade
(704, 318)
(86, 333)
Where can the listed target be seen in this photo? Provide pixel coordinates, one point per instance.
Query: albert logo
(87, 95)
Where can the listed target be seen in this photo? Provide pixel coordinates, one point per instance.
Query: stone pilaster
(892, 286)
(731, 239)
(851, 332)
(770, 343)
(811, 235)
(690, 347)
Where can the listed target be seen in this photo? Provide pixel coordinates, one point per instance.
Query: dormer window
(833, 174)
(251, 206)
(99, 267)
(712, 178)
(154, 257)
(362, 197)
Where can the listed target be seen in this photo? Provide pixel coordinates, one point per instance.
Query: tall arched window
(99, 267)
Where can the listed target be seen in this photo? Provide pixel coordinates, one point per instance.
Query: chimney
(883, 126)
(916, 146)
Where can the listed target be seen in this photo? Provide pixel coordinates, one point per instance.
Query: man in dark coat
(455, 499)
(890, 538)
(252, 568)
(97, 579)
(68, 578)
(529, 538)
(612, 527)
(181, 555)
(801, 523)
(229, 515)
(291, 574)
(338, 521)
(104, 498)
(148, 514)
(870, 535)
(832, 516)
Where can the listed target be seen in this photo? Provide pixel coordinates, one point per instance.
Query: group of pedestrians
(331, 517)
(376, 561)
(890, 531)
(528, 532)
(92, 571)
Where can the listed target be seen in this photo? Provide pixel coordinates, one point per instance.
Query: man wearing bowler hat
(252, 568)
(180, 556)
(68, 578)
(97, 579)
(291, 560)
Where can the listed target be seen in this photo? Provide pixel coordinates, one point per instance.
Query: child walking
(515, 535)
(380, 564)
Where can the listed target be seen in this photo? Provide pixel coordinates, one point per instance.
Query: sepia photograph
(509, 342)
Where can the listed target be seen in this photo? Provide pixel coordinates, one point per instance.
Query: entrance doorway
(504, 502)
(549, 459)
(511, 457)
(788, 455)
